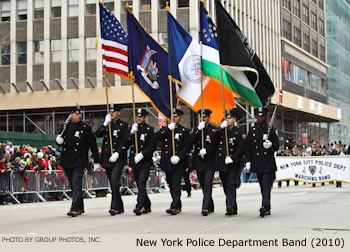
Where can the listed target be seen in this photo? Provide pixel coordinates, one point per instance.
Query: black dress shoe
(189, 195)
(73, 213)
(114, 212)
(268, 212)
(262, 211)
(81, 211)
(172, 211)
(230, 211)
(205, 212)
(211, 211)
(137, 211)
(144, 210)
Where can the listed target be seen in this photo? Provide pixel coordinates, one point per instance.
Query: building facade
(49, 60)
(338, 46)
(304, 70)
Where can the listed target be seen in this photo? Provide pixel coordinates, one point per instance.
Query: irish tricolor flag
(234, 79)
(185, 69)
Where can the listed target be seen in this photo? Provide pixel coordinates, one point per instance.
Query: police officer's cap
(206, 112)
(114, 107)
(177, 112)
(260, 111)
(231, 113)
(337, 142)
(141, 112)
(76, 109)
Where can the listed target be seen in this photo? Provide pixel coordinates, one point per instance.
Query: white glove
(97, 167)
(248, 165)
(228, 160)
(267, 144)
(138, 157)
(59, 139)
(224, 124)
(202, 152)
(134, 128)
(171, 126)
(174, 160)
(201, 125)
(114, 157)
(108, 119)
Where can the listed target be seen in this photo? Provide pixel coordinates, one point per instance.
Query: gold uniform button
(81, 131)
(64, 143)
(75, 149)
(121, 124)
(231, 149)
(253, 134)
(64, 149)
(114, 143)
(265, 153)
(77, 143)
(220, 148)
(199, 148)
(132, 151)
(106, 149)
(113, 149)
(141, 146)
(147, 128)
(220, 142)
(64, 137)
(132, 146)
(84, 126)
(253, 128)
(177, 145)
(166, 145)
(254, 141)
(166, 152)
(257, 147)
(257, 153)
(166, 140)
(106, 142)
(220, 154)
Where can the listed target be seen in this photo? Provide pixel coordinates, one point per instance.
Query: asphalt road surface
(295, 210)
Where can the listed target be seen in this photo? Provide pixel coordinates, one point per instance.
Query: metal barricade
(154, 182)
(97, 181)
(52, 182)
(25, 183)
(5, 185)
(127, 182)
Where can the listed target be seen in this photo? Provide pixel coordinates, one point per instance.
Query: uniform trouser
(174, 180)
(114, 173)
(141, 177)
(75, 178)
(187, 182)
(265, 182)
(206, 181)
(229, 180)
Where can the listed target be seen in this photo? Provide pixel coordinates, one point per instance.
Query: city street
(295, 210)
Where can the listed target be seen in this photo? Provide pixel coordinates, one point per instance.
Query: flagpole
(171, 111)
(109, 124)
(202, 102)
(133, 109)
(223, 102)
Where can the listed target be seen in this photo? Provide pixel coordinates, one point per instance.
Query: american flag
(114, 44)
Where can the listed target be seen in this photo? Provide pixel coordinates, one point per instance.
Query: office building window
(305, 14)
(314, 48)
(38, 52)
(123, 3)
(90, 48)
(5, 8)
(322, 53)
(90, 8)
(162, 4)
(296, 8)
(73, 8)
(320, 4)
(306, 42)
(321, 27)
(5, 55)
(314, 21)
(286, 29)
(286, 4)
(21, 52)
(55, 8)
(56, 50)
(73, 49)
(183, 4)
(22, 9)
(109, 4)
(145, 5)
(39, 9)
(297, 36)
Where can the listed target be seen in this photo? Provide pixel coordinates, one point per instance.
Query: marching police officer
(76, 139)
(261, 146)
(141, 159)
(114, 163)
(174, 164)
(228, 160)
(203, 158)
